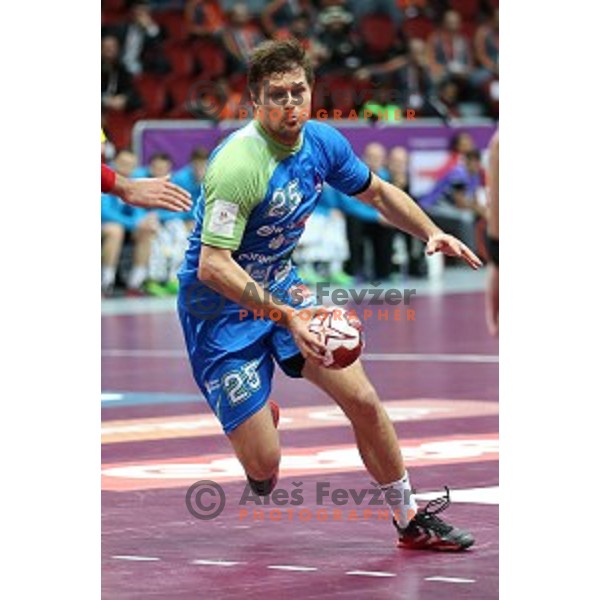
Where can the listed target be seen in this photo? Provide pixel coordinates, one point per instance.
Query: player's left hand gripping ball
(341, 332)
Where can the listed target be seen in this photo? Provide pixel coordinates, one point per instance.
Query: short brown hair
(277, 57)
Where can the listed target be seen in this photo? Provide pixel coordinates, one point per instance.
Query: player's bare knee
(364, 405)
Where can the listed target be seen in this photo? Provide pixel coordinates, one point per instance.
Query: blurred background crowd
(436, 57)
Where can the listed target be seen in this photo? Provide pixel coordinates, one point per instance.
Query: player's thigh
(349, 387)
(256, 444)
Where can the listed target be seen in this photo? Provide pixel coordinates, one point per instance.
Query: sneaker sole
(437, 547)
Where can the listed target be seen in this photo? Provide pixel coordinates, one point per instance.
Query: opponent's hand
(492, 300)
(450, 246)
(156, 193)
(309, 345)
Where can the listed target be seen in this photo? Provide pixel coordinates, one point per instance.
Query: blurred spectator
(366, 225)
(415, 249)
(141, 40)
(191, 176)
(255, 7)
(486, 46)
(120, 220)
(278, 16)
(300, 28)
(449, 52)
(168, 247)
(414, 81)
(323, 247)
(448, 95)
(340, 47)
(118, 91)
(398, 167)
(485, 77)
(381, 106)
(362, 8)
(454, 201)
(240, 38)
(460, 143)
(204, 18)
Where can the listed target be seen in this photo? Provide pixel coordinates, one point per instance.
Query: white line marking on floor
(216, 563)
(447, 358)
(468, 358)
(371, 573)
(484, 495)
(292, 568)
(450, 579)
(140, 558)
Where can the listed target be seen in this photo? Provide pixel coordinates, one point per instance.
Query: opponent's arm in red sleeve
(108, 179)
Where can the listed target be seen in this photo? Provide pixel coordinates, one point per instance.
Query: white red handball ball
(341, 333)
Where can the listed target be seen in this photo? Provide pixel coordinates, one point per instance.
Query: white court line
(216, 563)
(449, 358)
(450, 579)
(140, 558)
(292, 568)
(371, 573)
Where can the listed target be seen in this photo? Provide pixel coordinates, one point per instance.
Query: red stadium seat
(152, 90)
(334, 92)
(377, 32)
(468, 9)
(181, 59)
(180, 90)
(109, 18)
(173, 24)
(114, 6)
(118, 127)
(418, 27)
(210, 58)
(469, 28)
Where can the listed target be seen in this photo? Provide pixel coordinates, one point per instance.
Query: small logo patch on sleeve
(223, 217)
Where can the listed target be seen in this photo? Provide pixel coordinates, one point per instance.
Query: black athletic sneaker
(428, 532)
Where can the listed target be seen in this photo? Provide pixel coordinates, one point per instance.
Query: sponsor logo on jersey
(222, 218)
(277, 242)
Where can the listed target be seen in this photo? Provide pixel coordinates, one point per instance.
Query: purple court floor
(438, 377)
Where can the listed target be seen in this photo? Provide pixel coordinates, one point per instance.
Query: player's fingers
(180, 193)
(315, 344)
(178, 190)
(310, 353)
(173, 201)
(472, 258)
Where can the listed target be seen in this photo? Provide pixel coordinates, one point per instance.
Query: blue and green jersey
(258, 194)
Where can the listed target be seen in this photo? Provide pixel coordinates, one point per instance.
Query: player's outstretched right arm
(401, 210)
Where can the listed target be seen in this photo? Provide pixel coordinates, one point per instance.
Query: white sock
(402, 503)
(137, 276)
(108, 277)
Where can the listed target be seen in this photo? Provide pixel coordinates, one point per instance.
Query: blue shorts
(232, 356)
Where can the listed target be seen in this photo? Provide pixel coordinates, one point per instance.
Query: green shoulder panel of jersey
(236, 181)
